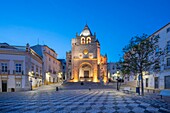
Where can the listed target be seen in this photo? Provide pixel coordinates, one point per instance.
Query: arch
(82, 40)
(84, 64)
(85, 72)
(88, 40)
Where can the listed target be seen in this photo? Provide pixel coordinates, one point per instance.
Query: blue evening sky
(55, 22)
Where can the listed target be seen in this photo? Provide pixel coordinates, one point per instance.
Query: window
(147, 82)
(49, 59)
(113, 67)
(90, 55)
(4, 67)
(40, 72)
(32, 68)
(157, 50)
(168, 61)
(80, 55)
(88, 40)
(168, 46)
(168, 29)
(85, 51)
(82, 40)
(18, 67)
(18, 84)
(36, 69)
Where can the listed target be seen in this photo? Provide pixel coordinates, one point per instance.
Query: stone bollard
(89, 89)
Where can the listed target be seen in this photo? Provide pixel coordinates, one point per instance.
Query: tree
(141, 55)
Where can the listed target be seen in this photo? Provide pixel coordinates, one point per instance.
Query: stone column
(76, 74)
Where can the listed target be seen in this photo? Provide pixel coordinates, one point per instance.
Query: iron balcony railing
(4, 72)
(16, 72)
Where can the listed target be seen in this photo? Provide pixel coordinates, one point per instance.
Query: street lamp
(31, 83)
(117, 73)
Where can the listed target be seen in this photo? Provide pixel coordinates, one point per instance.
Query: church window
(80, 55)
(88, 40)
(82, 40)
(85, 51)
(90, 55)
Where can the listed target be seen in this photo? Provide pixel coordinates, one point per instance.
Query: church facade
(84, 61)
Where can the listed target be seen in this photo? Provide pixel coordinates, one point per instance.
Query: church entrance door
(86, 74)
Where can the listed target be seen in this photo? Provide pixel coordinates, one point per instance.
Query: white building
(161, 78)
(113, 71)
(63, 68)
(51, 66)
(20, 68)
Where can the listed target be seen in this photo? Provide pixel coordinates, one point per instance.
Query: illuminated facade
(51, 65)
(84, 62)
(20, 68)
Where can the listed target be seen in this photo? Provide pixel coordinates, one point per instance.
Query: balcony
(4, 72)
(18, 72)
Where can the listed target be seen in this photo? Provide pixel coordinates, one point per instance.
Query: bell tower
(85, 57)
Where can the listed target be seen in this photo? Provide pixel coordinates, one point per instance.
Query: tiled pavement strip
(79, 101)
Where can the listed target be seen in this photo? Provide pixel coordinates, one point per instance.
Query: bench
(164, 93)
(126, 89)
(152, 89)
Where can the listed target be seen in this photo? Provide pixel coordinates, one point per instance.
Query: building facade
(63, 68)
(84, 61)
(114, 71)
(51, 66)
(161, 78)
(68, 66)
(20, 68)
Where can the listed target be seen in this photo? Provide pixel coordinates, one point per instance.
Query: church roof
(86, 31)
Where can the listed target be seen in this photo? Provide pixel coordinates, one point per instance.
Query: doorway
(156, 82)
(86, 74)
(4, 85)
(167, 82)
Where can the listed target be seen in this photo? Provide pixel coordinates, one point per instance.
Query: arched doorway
(85, 72)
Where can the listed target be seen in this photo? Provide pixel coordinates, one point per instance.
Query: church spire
(86, 31)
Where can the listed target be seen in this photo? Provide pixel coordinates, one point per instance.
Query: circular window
(85, 51)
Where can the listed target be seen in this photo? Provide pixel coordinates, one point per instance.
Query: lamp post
(139, 78)
(117, 80)
(31, 83)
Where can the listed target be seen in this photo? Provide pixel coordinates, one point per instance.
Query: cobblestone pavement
(77, 101)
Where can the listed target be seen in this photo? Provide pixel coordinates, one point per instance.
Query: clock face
(85, 51)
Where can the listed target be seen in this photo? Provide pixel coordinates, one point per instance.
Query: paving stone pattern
(78, 101)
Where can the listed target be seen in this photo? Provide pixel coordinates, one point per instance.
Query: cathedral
(84, 61)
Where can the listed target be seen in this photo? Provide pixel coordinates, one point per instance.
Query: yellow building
(85, 61)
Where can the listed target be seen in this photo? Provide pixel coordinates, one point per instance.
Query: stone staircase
(86, 85)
